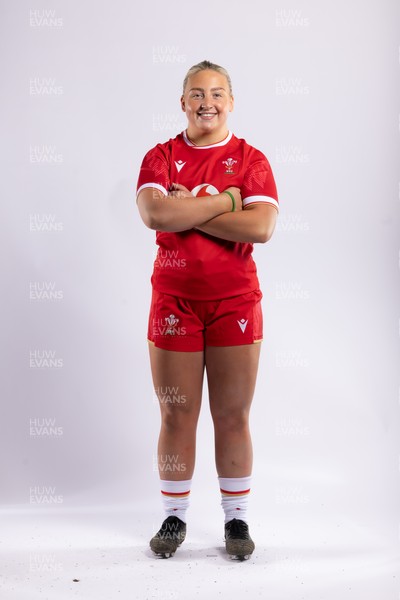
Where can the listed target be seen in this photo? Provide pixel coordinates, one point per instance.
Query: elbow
(265, 230)
(150, 210)
(262, 240)
(262, 237)
(153, 220)
(265, 226)
(264, 234)
(149, 222)
(153, 223)
(159, 222)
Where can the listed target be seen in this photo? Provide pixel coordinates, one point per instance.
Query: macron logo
(179, 165)
(243, 324)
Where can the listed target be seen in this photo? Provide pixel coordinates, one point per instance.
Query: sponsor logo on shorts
(168, 326)
(172, 323)
(243, 324)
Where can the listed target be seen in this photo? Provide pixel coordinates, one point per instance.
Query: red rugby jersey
(192, 264)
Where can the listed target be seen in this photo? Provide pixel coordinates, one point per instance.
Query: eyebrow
(202, 89)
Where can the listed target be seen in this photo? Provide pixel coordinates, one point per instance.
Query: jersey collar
(223, 143)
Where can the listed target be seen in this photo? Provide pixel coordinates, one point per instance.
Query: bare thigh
(231, 376)
(178, 380)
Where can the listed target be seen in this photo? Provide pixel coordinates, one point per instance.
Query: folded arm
(180, 210)
(255, 223)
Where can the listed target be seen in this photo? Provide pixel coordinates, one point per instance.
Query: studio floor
(97, 553)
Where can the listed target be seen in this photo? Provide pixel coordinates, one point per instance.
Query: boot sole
(239, 557)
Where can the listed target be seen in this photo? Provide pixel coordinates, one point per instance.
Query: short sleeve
(154, 171)
(259, 184)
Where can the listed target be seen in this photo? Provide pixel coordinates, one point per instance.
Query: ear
(232, 104)
(183, 104)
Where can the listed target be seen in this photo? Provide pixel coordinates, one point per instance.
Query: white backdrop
(88, 88)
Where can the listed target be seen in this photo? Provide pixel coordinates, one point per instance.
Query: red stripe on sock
(175, 493)
(234, 493)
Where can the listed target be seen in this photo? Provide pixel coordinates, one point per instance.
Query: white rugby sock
(175, 496)
(235, 495)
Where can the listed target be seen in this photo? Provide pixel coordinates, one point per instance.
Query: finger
(179, 186)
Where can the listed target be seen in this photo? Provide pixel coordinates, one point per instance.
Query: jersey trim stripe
(152, 185)
(264, 199)
(223, 143)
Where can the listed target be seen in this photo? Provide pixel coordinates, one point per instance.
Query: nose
(207, 102)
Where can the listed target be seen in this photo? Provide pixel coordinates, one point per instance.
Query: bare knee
(177, 420)
(231, 421)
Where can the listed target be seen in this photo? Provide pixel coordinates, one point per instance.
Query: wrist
(223, 203)
(232, 199)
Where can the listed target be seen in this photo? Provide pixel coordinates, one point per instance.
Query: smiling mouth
(207, 115)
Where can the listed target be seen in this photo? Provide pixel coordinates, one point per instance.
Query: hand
(235, 191)
(179, 191)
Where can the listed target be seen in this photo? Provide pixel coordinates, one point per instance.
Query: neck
(206, 139)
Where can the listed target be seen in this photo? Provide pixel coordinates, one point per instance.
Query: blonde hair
(203, 66)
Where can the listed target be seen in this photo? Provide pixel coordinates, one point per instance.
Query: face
(207, 102)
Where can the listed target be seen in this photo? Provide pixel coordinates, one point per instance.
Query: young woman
(210, 196)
